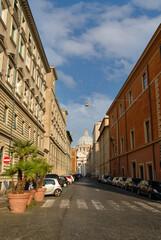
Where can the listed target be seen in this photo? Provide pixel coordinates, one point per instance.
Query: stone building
(83, 147)
(68, 162)
(103, 141)
(24, 70)
(56, 144)
(96, 154)
(135, 118)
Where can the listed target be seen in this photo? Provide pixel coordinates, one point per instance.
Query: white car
(53, 187)
(69, 180)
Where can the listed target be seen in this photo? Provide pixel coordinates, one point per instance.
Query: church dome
(86, 139)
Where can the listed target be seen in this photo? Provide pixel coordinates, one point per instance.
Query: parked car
(55, 176)
(52, 187)
(114, 181)
(76, 178)
(132, 183)
(79, 175)
(99, 179)
(71, 177)
(63, 181)
(104, 178)
(69, 180)
(152, 189)
(109, 180)
(121, 182)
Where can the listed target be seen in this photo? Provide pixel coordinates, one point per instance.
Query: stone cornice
(27, 10)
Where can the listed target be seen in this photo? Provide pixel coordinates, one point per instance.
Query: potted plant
(22, 151)
(41, 169)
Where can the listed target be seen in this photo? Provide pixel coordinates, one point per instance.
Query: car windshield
(124, 178)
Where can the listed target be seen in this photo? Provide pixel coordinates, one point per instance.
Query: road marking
(48, 203)
(81, 204)
(131, 206)
(147, 207)
(64, 203)
(113, 204)
(97, 205)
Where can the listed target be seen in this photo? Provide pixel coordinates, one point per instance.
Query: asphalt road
(86, 210)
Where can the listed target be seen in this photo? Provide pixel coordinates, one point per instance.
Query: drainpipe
(151, 120)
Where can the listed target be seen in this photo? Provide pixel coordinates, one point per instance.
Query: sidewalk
(3, 200)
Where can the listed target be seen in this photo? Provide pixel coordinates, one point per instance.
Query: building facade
(74, 160)
(103, 141)
(56, 144)
(83, 148)
(96, 154)
(23, 83)
(135, 118)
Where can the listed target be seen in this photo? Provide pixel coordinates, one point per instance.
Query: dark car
(109, 180)
(76, 178)
(63, 181)
(152, 189)
(52, 175)
(132, 183)
(104, 178)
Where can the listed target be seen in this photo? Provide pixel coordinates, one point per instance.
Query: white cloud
(99, 31)
(120, 69)
(67, 79)
(81, 117)
(148, 4)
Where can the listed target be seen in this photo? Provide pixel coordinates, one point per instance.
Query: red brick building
(135, 118)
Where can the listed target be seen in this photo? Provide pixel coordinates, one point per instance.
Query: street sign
(6, 160)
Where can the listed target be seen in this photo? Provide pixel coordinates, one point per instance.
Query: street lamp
(86, 104)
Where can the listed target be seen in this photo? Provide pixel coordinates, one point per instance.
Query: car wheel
(57, 193)
(150, 195)
(132, 190)
(138, 192)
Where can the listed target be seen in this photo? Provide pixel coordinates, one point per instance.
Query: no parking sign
(6, 160)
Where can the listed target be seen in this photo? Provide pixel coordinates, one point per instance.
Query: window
(122, 145)
(120, 109)
(22, 48)
(132, 140)
(5, 114)
(29, 38)
(26, 94)
(144, 81)
(28, 60)
(134, 169)
(112, 119)
(130, 97)
(141, 172)
(15, 121)
(19, 85)
(3, 11)
(150, 172)
(23, 128)
(147, 131)
(29, 132)
(32, 102)
(14, 32)
(10, 73)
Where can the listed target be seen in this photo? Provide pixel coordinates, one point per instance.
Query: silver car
(52, 187)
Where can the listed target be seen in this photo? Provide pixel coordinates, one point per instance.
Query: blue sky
(94, 45)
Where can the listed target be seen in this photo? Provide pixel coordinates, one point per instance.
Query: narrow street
(86, 210)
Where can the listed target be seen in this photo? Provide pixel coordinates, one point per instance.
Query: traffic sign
(6, 160)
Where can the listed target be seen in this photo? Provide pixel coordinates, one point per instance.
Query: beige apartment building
(96, 155)
(24, 74)
(104, 146)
